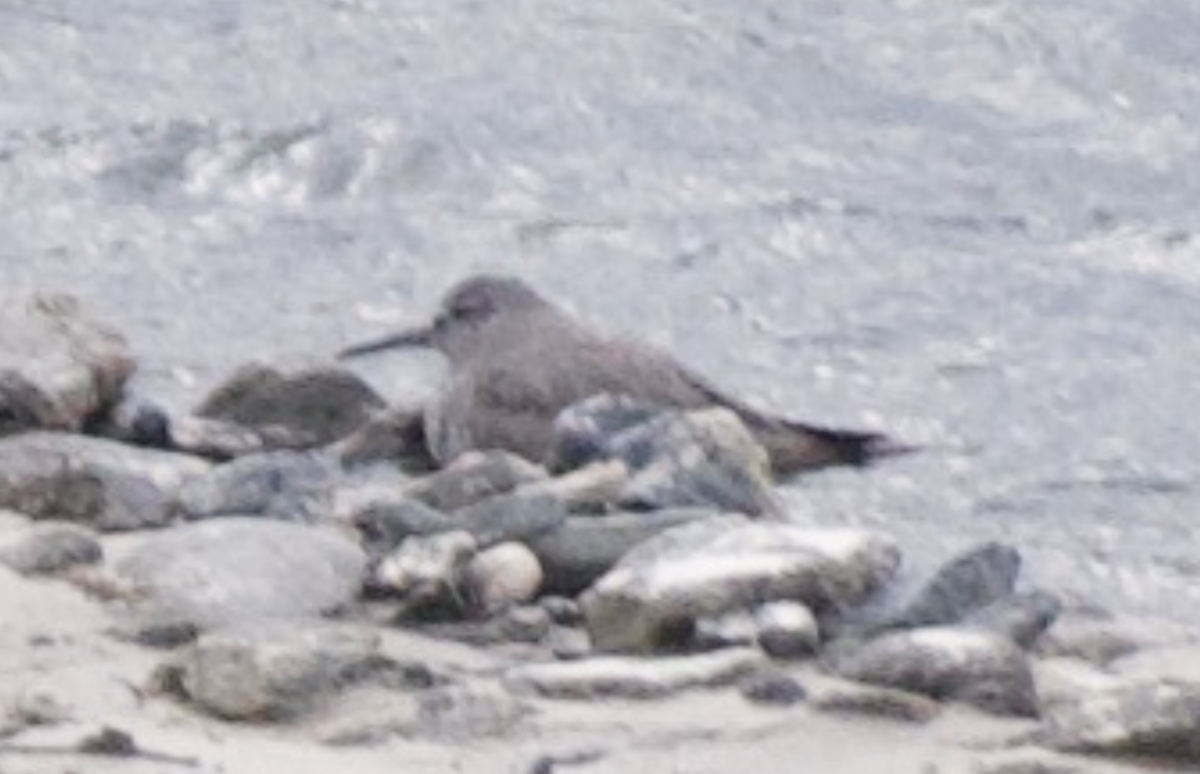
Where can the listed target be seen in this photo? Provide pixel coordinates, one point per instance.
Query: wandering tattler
(516, 361)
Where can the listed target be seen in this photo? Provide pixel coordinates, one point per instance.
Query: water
(973, 227)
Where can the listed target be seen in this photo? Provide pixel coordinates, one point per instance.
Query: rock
(1022, 618)
(975, 667)
(463, 713)
(634, 678)
(1102, 640)
(322, 404)
(143, 424)
(786, 629)
(562, 610)
(772, 688)
(101, 483)
(227, 571)
(568, 643)
(697, 459)
(52, 548)
(581, 550)
(524, 624)
(386, 521)
(59, 365)
(876, 702)
(590, 489)
(392, 435)
(584, 431)
(1148, 719)
(782, 629)
(272, 670)
(427, 571)
(1028, 764)
(511, 517)
(1066, 679)
(473, 478)
(501, 576)
(1174, 663)
(654, 595)
(286, 485)
(967, 583)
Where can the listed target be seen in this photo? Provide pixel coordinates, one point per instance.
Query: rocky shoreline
(283, 570)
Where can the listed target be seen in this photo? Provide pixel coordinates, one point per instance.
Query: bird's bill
(417, 337)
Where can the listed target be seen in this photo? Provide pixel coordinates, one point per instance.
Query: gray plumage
(516, 361)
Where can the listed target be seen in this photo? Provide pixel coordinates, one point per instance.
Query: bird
(516, 361)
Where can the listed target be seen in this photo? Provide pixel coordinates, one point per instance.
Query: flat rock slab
(655, 594)
(59, 365)
(272, 670)
(104, 484)
(635, 678)
(227, 571)
(1142, 718)
(979, 668)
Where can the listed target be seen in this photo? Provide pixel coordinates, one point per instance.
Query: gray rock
(53, 548)
(568, 643)
(584, 432)
(697, 459)
(463, 713)
(1022, 618)
(286, 485)
(101, 483)
(583, 549)
(322, 404)
(473, 478)
(967, 583)
(501, 576)
(272, 670)
(529, 623)
(511, 517)
(384, 522)
(393, 435)
(876, 702)
(1028, 763)
(634, 678)
(591, 489)
(653, 596)
(736, 628)
(978, 668)
(138, 423)
(1148, 719)
(562, 610)
(772, 688)
(786, 629)
(226, 571)
(427, 571)
(59, 365)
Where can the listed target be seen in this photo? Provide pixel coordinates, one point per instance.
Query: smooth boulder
(654, 595)
(210, 574)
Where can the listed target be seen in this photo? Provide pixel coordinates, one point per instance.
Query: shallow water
(972, 227)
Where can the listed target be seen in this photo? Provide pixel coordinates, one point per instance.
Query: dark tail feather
(796, 447)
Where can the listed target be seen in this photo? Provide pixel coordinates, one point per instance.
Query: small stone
(511, 517)
(562, 610)
(787, 630)
(51, 549)
(475, 477)
(736, 628)
(967, 583)
(324, 404)
(426, 571)
(274, 670)
(503, 575)
(876, 702)
(525, 624)
(567, 643)
(771, 688)
(584, 431)
(292, 486)
(589, 490)
(386, 520)
(634, 678)
(1148, 719)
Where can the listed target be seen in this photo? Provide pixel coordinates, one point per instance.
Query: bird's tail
(795, 447)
